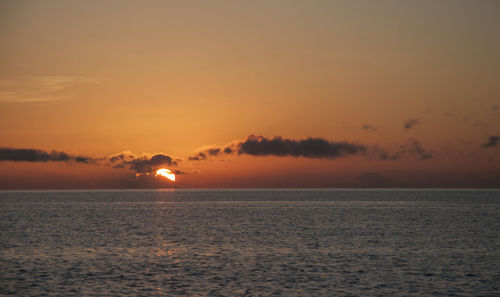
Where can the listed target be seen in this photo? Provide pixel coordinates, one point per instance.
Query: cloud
(144, 167)
(383, 155)
(316, 148)
(206, 152)
(148, 181)
(146, 163)
(369, 127)
(213, 151)
(412, 148)
(42, 88)
(493, 141)
(410, 123)
(119, 160)
(34, 155)
(199, 156)
(282, 147)
(308, 148)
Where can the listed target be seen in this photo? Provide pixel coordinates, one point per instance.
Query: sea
(272, 242)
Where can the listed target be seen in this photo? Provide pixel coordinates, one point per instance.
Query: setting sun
(166, 173)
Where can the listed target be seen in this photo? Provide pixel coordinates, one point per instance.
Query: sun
(166, 174)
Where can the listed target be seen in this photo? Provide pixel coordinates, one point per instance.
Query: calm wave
(250, 242)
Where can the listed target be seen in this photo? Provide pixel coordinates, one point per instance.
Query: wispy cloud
(42, 88)
(493, 141)
(369, 127)
(411, 148)
(410, 123)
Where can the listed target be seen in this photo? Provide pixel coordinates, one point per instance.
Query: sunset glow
(400, 94)
(166, 174)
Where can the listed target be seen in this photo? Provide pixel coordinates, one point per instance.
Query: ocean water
(250, 243)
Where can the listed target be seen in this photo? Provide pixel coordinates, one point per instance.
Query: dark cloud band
(140, 164)
(282, 147)
(34, 155)
(308, 148)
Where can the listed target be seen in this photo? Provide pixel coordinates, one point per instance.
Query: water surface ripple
(250, 243)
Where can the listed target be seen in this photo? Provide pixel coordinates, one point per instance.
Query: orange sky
(96, 78)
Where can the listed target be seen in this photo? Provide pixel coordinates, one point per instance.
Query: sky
(245, 94)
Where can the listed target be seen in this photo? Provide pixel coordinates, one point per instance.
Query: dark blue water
(250, 242)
